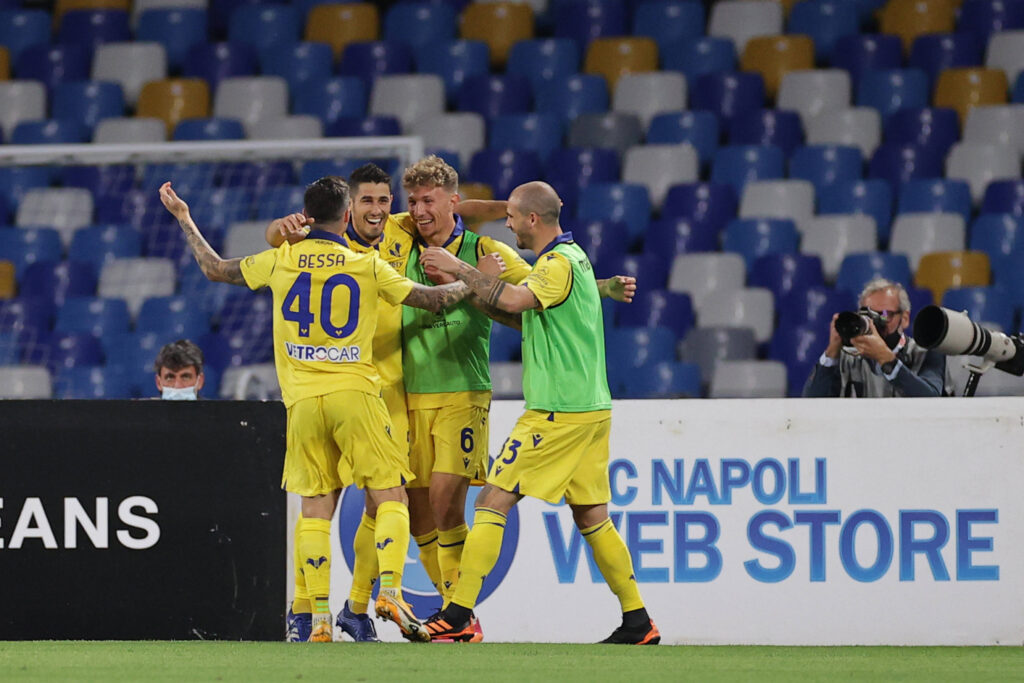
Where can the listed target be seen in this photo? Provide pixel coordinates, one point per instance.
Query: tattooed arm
(491, 290)
(513, 320)
(213, 266)
(436, 299)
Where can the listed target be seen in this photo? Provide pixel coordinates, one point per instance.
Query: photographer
(881, 361)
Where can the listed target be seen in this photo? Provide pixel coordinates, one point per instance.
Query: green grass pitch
(494, 662)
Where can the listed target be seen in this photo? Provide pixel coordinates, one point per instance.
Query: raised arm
(436, 299)
(491, 290)
(480, 210)
(292, 228)
(213, 266)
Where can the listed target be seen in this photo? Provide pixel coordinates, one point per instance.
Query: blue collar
(564, 238)
(456, 233)
(355, 237)
(324, 235)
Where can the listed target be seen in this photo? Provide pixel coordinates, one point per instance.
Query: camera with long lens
(850, 324)
(954, 334)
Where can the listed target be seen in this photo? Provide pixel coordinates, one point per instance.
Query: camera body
(850, 324)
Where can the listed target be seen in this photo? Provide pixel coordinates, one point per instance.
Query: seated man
(179, 371)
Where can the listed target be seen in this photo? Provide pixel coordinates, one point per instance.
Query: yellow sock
(391, 536)
(300, 602)
(364, 569)
(612, 557)
(481, 554)
(427, 544)
(449, 555)
(314, 540)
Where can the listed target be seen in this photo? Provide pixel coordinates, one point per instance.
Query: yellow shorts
(398, 409)
(550, 458)
(452, 440)
(339, 439)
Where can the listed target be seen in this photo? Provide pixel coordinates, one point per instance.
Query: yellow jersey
(325, 312)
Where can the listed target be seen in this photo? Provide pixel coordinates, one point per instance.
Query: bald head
(539, 198)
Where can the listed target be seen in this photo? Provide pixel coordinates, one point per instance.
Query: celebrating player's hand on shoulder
(491, 264)
(294, 227)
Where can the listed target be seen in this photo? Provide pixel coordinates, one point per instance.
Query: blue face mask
(179, 394)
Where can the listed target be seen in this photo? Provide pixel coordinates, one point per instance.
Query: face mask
(892, 340)
(176, 394)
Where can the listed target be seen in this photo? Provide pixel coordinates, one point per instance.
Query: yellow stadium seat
(773, 56)
(6, 280)
(909, 19)
(341, 24)
(475, 191)
(174, 99)
(63, 6)
(962, 89)
(942, 270)
(5, 63)
(612, 57)
(500, 24)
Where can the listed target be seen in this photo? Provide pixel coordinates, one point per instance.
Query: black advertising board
(142, 520)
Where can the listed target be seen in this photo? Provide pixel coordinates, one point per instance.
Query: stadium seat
(505, 344)
(1017, 93)
(698, 128)
(20, 101)
(178, 29)
(64, 209)
(963, 89)
(626, 202)
(172, 100)
(586, 20)
(494, 95)
(727, 94)
(25, 382)
(23, 28)
(987, 17)
(814, 91)
(56, 281)
(91, 382)
(778, 127)
(748, 379)
(669, 22)
(245, 319)
(633, 347)
(213, 62)
(572, 96)
(130, 130)
(671, 236)
(98, 244)
(659, 308)
(454, 62)
(979, 165)
(53, 64)
(826, 165)
(935, 195)
(610, 130)
(99, 317)
(62, 7)
(774, 56)
(985, 305)
(954, 269)
(62, 350)
(26, 246)
(136, 279)
(713, 204)
(264, 26)
(504, 169)
(999, 236)
(1005, 51)
(540, 133)
(331, 98)
(935, 52)
(752, 238)
(832, 238)
(909, 19)
(741, 20)
(374, 126)
(861, 53)
(826, 22)
(87, 102)
(419, 24)
(665, 380)
(244, 237)
(462, 132)
(214, 128)
(545, 59)
(899, 163)
(94, 27)
(931, 127)
(1001, 125)
(799, 349)
(173, 317)
(857, 126)
(915, 234)
(343, 24)
(700, 274)
(602, 240)
(706, 346)
(656, 167)
(651, 268)
(8, 284)
(791, 199)
(737, 165)
(1003, 196)
(703, 55)
(367, 60)
(614, 57)
(49, 132)
(889, 90)
(408, 98)
(251, 99)
(857, 270)
(650, 94)
(300, 64)
(296, 127)
(570, 168)
(500, 25)
(814, 307)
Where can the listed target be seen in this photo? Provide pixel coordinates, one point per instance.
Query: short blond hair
(431, 171)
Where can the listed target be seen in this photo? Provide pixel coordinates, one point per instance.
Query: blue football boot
(298, 627)
(359, 627)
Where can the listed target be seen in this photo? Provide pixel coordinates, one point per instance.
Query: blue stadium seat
(92, 382)
(932, 127)
(799, 348)
(506, 344)
(826, 165)
(98, 244)
(93, 27)
(256, 176)
(585, 20)
(889, 90)
(728, 93)
(137, 208)
(826, 22)
(570, 168)
(132, 355)
(663, 380)
(704, 55)
(56, 281)
(245, 320)
(540, 133)
(206, 295)
(814, 306)
(99, 317)
(983, 305)
(659, 308)
(303, 65)
(626, 202)
(493, 95)
(372, 126)
(87, 102)
(216, 351)
(544, 59)
(570, 96)
(50, 132)
(172, 316)
(985, 17)
(16, 180)
(736, 165)
(860, 53)
(264, 26)
(1017, 92)
(669, 22)
(332, 99)
(1001, 236)
(898, 163)
(785, 273)
(367, 60)
(25, 246)
(214, 62)
(188, 178)
(53, 64)
(752, 238)
(934, 52)
(217, 208)
(871, 197)
(454, 61)
(919, 298)
(651, 269)
(504, 169)
(208, 129)
(25, 319)
(221, 12)
(419, 24)
(602, 240)
(677, 235)
(935, 195)
(628, 348)
(99, 180)
(698, 128)
(1004, 196)
(857, 270)
(778, 127)
(63, 350)
(23, 28)
(176, 28)
(279, 201)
